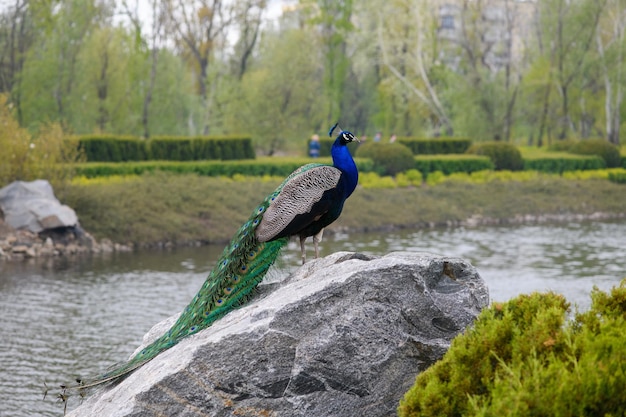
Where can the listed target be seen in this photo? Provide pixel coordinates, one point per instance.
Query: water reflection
(65, 318)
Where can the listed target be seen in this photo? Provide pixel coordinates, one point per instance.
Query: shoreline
(21, 245)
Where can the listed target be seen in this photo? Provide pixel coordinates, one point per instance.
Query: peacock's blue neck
(343, 160)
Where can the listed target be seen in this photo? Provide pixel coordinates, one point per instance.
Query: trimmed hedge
(503, 155)
(419, 146)
(436, 146)
(266, 166)
(562, 163)
(388, 158)
(617, 177)
(109, 148)
(449, 164)
(601, 147)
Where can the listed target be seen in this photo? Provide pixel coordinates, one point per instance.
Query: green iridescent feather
(241, 267)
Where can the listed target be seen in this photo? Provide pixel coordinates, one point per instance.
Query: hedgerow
(504, 156)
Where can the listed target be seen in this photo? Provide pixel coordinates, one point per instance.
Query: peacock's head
(347, 137)
(344, 136)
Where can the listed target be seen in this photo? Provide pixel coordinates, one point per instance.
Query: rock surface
(343, 336)
(33, 206)
(34, 224)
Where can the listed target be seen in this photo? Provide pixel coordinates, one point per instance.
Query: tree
(151, 44)
(280, 98)
(49, 73)
(201, 31)
(409, 49)
(331, 21)
(16, 36)
(566, 31)
(611, 44)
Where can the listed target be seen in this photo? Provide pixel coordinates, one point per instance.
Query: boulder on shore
(33, 206)
(344, 335)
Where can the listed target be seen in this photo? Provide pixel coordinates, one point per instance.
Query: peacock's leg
(316, 240)
(302, 239)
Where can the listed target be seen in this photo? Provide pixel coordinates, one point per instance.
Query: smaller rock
(19, 249)
(33, 206)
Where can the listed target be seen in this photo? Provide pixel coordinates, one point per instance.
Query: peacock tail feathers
(241, 267)
(313, 198)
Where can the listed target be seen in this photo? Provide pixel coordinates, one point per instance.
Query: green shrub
(26, 157)
(603, 148)
(449, 164)
(258, 167)
(110, 148)
(562, 163)
(388, 158)
(618, 177)
(442, 145)
(521, 358)
(201, 148)
(503, 155)
(562, 145)
(171, 149)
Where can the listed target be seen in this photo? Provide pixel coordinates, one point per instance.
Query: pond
(65, 318)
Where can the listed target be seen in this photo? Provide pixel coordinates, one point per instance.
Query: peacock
(307, 201)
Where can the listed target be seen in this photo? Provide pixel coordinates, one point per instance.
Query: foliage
(28, 157)
(373, 65)
(609, 152)
(442, 145)
(597, 174)
(258, 167)
(562, 145)
(388, 158)
(562, 163)
(503, 155)
(521, 358)
(109, 148)
(280, 97)
(618, 177)
(486, 176)
(412, 177)
(449, 164)
(199, 148)
(373, 180)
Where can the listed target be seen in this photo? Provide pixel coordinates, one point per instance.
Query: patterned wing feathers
(299, 193)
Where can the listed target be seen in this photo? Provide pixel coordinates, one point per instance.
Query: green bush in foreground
(522, 358)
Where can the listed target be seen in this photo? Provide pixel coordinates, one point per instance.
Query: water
(62, 319)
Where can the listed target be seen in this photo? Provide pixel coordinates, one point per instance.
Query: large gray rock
(344, 336)
(33, 206)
